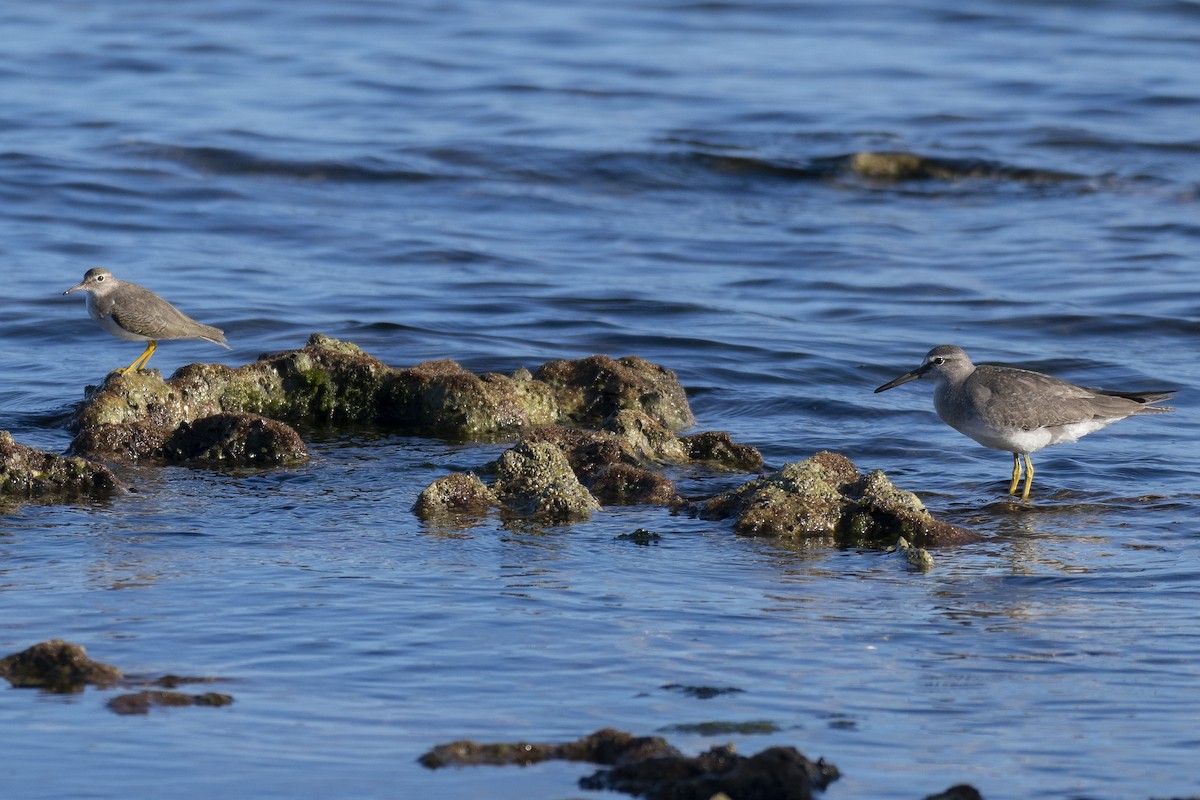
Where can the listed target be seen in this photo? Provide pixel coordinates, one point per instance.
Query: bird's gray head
(96, 280)
(944, 362)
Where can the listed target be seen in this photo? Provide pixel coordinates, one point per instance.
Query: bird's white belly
(1029, 441)
(109, 324)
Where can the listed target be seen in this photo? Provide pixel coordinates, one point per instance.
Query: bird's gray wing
(140, 310)
(1017, 399)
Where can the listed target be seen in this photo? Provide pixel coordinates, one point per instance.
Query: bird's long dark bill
(75, 288)
(905, 378)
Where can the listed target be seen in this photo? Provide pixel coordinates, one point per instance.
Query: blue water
(508, 183)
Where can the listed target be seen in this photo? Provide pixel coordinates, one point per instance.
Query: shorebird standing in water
(133, 312)
(1019, 410)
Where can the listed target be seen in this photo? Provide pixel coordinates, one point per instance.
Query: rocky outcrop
(239, 415)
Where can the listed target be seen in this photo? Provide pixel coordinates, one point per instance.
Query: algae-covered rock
(459, 493)
(26, 473)
(535, 479)
(590, 389)
(825, 496)
(57, 666)
(136, 415)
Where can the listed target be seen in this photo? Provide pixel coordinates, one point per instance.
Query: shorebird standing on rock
(1019, 410)
(133, 312)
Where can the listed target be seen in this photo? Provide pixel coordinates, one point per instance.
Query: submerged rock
(825, 496)
(958, 792)
(648, 766)
(961, 791)
(63, 667)
(141, 702)
(903, 166)
(605, 746)
(57, 666)
(26, 473)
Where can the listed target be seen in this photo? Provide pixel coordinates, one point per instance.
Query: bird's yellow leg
(1028, 477)
(1012, 487)
(141, 360)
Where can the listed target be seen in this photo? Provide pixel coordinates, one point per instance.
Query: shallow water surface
(505, 185)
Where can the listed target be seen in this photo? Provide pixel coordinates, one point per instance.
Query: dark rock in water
(627, 485)
(648, 766)
(702, 692)
(962, 791)
(777, 773)
(588, 390)
(605, 746)
(825, 496)
(27, 474)
(901, 166)
(57, 666)
(242, 439)
(718, 448)
(141, 702)
(640, 537)
(723, 728)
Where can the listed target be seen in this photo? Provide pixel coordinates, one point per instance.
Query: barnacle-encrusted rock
(57, 666)
(459, 493)
(588, 390)
(825, 496)
(26, 473)
(534, 479)
(627, 485)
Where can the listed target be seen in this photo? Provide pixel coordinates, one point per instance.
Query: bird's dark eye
(938, 360)
(99, 278)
